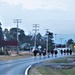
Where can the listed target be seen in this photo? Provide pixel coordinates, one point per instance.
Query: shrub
(1, 52)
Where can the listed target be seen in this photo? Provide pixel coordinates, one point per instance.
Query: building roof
(8, 43)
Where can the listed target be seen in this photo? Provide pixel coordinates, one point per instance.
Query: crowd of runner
(51, 52)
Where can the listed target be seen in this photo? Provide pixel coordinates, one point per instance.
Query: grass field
(59, 60)
(47, 70)
(51, 71)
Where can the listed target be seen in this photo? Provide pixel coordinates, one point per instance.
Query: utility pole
(17, 21)
(47, 41)
(55, 40)
(0, 24)
(36, 26)
(61, 42)
(66, 44)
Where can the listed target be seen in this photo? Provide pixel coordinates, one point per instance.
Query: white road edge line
(26, 71)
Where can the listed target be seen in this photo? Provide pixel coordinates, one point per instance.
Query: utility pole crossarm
(17, 20)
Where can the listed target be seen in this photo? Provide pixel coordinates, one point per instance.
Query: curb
(26, 72)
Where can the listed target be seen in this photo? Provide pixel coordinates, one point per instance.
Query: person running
(70, 52)
(48, 53)
(35, 53)
(52, 52)
(61, 51)
(56, 52)
(40, 53)
(64, 52)
(44, 52)
(67, 51)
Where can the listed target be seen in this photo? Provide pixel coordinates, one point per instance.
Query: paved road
(18, 67)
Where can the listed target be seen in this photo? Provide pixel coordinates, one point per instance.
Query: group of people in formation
(66, 51)
(51, 52)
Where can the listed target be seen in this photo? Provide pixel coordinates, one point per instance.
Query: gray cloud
(57, 20)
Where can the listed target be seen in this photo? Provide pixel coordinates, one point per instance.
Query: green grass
(46, 70)
(67, 72)
(0, 60)
(51, 71)
(59, 60)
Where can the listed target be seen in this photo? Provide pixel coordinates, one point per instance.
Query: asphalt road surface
(18, 67)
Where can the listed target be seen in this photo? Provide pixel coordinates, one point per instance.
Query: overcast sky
(56, 15)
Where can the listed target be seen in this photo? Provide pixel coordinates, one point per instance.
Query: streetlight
(17, 21)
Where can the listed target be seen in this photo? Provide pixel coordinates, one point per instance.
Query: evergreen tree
(1, 33)
(70, 41)
(39, 39)
(50, 41)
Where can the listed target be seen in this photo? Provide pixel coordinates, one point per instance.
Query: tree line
(23, 38)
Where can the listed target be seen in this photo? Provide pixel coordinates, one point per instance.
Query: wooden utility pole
(17, 21)
(35, 30)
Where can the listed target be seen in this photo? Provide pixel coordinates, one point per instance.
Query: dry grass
(15, 56)
(34, 71)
